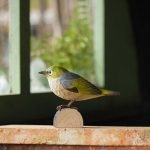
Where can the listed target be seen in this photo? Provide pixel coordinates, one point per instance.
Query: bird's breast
(60, 91)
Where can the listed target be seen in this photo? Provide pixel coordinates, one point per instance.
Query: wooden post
(68, 118)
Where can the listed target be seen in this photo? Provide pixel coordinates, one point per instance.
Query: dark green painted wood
(14, 46)
(121, 72)
(25, 46)
(99, 42)
(19, 46)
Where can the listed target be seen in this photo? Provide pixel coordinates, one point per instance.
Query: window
(22, 106)
(62, 33)
(54, 32)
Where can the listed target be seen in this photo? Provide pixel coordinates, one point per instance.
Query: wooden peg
(68, 118)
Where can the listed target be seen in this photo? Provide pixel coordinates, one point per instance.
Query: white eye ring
(49, 72)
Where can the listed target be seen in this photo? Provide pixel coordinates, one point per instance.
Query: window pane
(62, 34)
(4, 22)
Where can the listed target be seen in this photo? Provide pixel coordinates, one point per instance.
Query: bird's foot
(60, 107)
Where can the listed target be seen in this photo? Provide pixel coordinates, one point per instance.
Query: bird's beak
(43, 72)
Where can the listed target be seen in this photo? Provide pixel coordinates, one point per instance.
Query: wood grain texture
(68, 118)
(86, 136)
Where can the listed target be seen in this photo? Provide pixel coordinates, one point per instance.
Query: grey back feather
(67, 79)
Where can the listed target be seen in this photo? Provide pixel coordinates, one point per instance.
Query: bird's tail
(109, 93)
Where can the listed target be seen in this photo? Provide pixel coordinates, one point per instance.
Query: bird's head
(54, 72)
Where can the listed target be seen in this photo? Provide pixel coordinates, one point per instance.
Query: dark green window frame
(23, 106)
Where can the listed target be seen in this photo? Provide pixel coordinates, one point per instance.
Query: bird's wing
(67, 79)
(75, 83)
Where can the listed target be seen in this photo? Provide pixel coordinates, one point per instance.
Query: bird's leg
(66, 106)
(70, 103)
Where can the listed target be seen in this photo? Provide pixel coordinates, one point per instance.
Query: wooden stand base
(68, 118)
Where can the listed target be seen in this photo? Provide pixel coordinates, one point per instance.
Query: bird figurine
(71, 86)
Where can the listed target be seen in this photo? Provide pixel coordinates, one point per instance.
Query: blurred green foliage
(74, 50)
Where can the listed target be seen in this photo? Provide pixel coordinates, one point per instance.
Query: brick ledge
(106, 136)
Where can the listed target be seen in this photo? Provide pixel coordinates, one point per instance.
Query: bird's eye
(49, 72)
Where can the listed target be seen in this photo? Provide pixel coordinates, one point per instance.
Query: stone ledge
(95, 136)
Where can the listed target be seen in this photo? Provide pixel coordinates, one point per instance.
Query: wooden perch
(68, 118)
